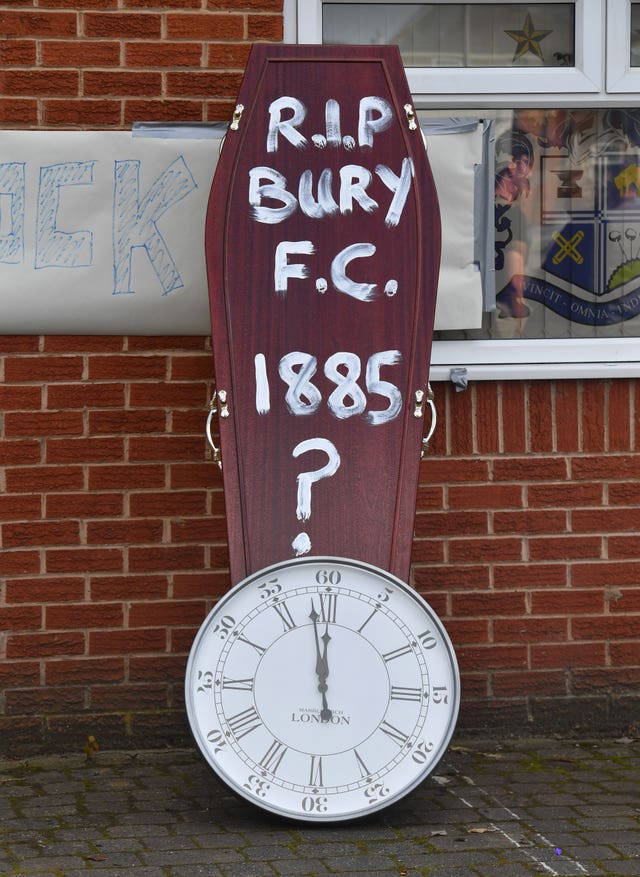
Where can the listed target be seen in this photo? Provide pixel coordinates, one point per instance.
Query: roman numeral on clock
(244, 722)
(397, 653)
(328, 606)
(399, 692)
(273, 756)
(393, 733)
(237, 684)
(285, 616)
(259, 649)
(315, 771)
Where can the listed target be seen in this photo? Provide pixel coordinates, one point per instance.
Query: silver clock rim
(298, 815)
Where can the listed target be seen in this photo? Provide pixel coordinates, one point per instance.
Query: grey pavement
(506, 808)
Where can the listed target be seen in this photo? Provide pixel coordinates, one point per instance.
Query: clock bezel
(235, 784)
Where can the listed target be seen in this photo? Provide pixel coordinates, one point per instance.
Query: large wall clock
(322, 689)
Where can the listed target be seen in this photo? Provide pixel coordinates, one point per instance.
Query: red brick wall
(111, 511)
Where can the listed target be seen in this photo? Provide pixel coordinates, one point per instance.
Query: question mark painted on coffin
(302, 544)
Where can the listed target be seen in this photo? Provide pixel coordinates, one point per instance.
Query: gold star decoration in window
(528, 39)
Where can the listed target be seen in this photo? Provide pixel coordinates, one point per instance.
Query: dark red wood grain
(366, 509)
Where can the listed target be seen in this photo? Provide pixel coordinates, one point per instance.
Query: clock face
(322, 689)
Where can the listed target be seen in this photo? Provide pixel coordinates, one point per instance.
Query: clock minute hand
(322, 667)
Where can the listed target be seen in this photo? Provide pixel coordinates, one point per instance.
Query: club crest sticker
(567, 221)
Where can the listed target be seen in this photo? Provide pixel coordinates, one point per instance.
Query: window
(560, 81)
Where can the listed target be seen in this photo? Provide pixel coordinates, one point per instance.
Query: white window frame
(589, 84)
(621, 77)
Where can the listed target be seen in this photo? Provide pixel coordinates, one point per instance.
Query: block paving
(509, 808)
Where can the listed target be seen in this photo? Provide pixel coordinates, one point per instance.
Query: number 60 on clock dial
(322, 689)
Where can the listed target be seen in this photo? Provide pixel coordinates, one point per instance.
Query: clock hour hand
(322, 666)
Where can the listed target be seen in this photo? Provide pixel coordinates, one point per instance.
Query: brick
(183, 476)
(125, 642)
(166, 557)
(624, 493)
(84, 505)
(449, 471)
(605, 520)
(129, 422)
(171, 667)
(81, 53)
(125, 477)
(543, 682)
(618, 467)
(122, 25)
(624, 654)
(228, 55)
(43, 368)
(87, 450)
(179, 394)
(567, 416)
(565, 495)
(19, 112)
(130, 587)
(619, 415)
(149, 343)
(216, 26)
(19, 452)
(541, 575)
(163, 54)
(13, 563)
(205, 584)
(42, 479)
(97, 113)
(460, 424)
(621, 547)
(197, 530)
(86, 395)
(565, 547)
(40, 82)
(264, 27)
(483, 496)
(451, 523)
(534, 468)
(44, 645)
(83, 559)
(43, 423)
(470, 631)
(19, 343)
(513, 417)
(204, 84)
(489, 657)
(607, 679)
(428, 551)
(128, 367)
(20, 397)
(593, 416)
(167, 613)
(19, 675)
(44, 590)
(449, 578)
(617, 573)
(167, 448)
(529, 522)
(465, 550)
(79, 616)
(608, 627)
(84, 671)
(129, 697)
(124, 532)
(567, 655)
(121, 83)
(162, 111)
(19, 507)
(540, 417)
(527, 630)
(567, 602)
(45, 699)
(37, 24)
(491, 604)
(35, 533)
(168, 503)
(17, 618)
(16, 52)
